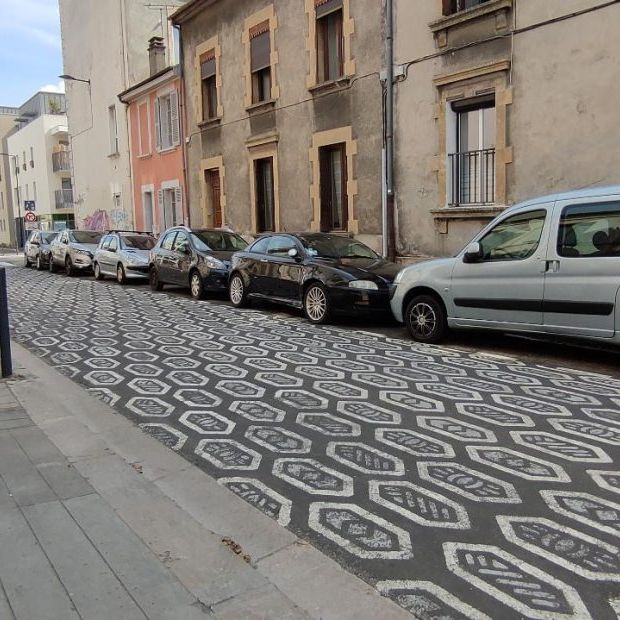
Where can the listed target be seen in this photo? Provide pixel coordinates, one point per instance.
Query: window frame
(264, 239)
(113, 130)
(258, 186)
(172, 121)
(209, 91)
(289, 239)
(322, 44)
(171, 235)
(261, 77)
(324, 151)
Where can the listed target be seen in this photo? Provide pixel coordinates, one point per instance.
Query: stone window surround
(212, 163)
(468, 84)
(499, 8)
(263, 148)
(326, 138)
(266, 14)
(211, 45)
(348, 28)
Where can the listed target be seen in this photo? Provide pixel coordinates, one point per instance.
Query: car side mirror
(65, 242)
(293, 253)
(473, 253)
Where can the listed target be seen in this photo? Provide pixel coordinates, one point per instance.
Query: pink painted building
(156, 138)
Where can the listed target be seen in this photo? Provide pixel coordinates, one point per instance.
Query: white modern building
(41, 164)
(104, 51)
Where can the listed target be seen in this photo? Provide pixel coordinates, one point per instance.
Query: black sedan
(195, 259)
(321, 273)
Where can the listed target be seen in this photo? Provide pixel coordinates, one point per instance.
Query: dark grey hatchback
(195, 259)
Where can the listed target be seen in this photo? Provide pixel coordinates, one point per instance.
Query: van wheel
(426, 319)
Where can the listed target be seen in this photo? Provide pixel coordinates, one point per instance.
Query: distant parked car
(37, 248)
(323, 274)
(197, 259)
(123, 255)
(73, 251)
(549, 266)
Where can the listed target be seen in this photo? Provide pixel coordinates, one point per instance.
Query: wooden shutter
(178, 199)
(207, 68)
(157, 124)
(260, 50)
(174, 118)
(160, 206)
(448, 6)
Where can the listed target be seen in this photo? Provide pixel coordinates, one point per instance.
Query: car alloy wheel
(97, 270)
(237, 291)
(69, 267)
(121, 278)
(316, 304)
(426, 319)
(195, 286)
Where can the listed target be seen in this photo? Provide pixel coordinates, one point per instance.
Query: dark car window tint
(218, 241)
(515, 238)
(83, 236)
(591, 230)
(166, 244)
(181, 241)
(137, 242)
(260, 246)
(280, 245)
(334, 246)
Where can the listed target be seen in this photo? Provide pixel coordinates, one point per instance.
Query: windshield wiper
(358, 256)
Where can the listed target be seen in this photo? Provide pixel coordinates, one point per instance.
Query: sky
(30, 49)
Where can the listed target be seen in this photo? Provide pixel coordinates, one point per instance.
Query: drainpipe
(390, 231)
(184, 120)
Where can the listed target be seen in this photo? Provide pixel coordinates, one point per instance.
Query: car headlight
(214, 263)
(364, 285)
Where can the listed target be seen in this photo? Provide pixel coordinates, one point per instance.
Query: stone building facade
(499, 101)
(284, 115)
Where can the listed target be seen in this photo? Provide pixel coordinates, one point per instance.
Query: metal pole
(389, 131)
(19, 234)
(5, 336)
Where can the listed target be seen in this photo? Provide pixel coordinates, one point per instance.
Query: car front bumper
(137, 271)
(360, 302)
(215, 280)
(82, 262)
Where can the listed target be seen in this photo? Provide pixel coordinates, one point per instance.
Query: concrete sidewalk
(98, 520)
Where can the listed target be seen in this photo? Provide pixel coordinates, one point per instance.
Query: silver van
(549, 265)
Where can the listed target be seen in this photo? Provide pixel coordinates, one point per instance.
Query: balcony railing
(472, 175)
(456, 6)
(64, 198)
(61, 161)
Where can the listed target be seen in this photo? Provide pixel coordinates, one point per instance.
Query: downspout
(184, 120)
(390, 231)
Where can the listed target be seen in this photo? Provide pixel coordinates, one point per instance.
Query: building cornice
(153, 81)
(190, 10)
(467, 74)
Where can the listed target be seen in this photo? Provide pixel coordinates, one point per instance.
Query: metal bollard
(5, 335)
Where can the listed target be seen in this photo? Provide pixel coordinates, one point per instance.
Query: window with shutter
(175, 124)
(178, 199)
(334, 200)
(260, 62)
(208, 79)
(329, 40)
(157, 125)
(265, 203)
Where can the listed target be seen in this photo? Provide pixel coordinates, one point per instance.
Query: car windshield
(333, 246)
(218, 241)
(48, 237)
(85, 236)
(137, 242)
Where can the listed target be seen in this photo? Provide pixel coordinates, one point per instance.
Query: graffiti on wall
(106, 220)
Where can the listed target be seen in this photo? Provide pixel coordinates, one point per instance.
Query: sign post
(6, 363)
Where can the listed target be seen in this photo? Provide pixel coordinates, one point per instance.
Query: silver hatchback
(548, 266)
(124, 255)
(73, 250)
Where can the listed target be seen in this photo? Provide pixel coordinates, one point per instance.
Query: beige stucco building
(284, 115)
(499, 101)
(104, 45)
(8, 117)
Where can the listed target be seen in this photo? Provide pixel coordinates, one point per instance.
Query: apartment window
(472, 165)
(329, 40)
(113, 127)
(167, 121)
(212, 178)
(170, 206)
(456, 6)
(144, 133)
(31, 157)
(208, 79)
(265, 201)
(334, 200)
(260, 61)
(24, 166)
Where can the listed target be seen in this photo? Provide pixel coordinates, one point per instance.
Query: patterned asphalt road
(462, 485)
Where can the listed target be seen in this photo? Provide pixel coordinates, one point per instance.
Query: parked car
(549, 266)
(73, 250)
(37, 248)
(197, 259)
(123, 255)
(323, 274)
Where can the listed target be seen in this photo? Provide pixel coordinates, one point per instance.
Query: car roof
(592, 192)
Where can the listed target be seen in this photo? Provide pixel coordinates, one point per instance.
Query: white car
(549, 266)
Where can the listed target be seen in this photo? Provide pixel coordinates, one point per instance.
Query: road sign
(30, 217)
(29, 205)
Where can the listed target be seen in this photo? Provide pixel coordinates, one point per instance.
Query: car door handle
(552, 266)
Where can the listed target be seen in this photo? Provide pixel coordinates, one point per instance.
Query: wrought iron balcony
(61, 161)
(64, 198)
(472, 178)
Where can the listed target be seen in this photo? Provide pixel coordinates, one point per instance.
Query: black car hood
(363, 268)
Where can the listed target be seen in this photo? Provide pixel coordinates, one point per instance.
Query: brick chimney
(157, 55)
